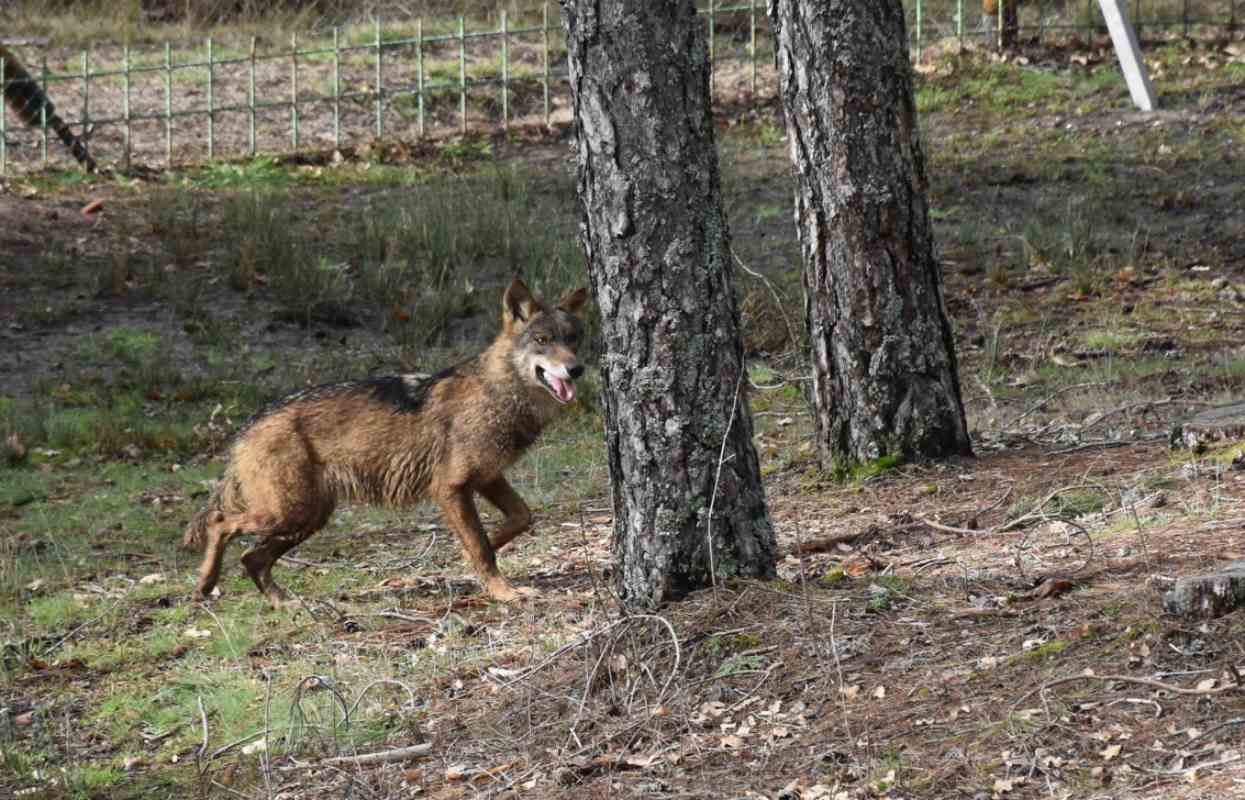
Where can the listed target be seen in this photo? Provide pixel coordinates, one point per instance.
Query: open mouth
(562, 389)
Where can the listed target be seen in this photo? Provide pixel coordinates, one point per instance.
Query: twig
(1105, 444)
(978, 613)
(1166, 687)
(220, 751)
(730, 423)
(204, 745)
(265, 759)
(1145, 405)
(1140, 701)
(827, 543)
(764, 677)
(938, 526)
(989, 393)
(1038, 405)
(231, 790)
(74, 632)
(392, 614)
(1228, 758)
(382, 757)
(777, 299)
(223, 630)
(1225, 724)
(678, 659)
(381, 682)
(997, 503)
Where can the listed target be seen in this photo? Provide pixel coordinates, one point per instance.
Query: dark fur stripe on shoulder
(405, 394)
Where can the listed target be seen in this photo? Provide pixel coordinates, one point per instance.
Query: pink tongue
(563, 390)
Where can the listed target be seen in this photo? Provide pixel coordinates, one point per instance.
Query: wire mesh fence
(416, 78)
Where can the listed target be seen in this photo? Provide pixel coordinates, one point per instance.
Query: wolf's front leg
(518, 519)
(461, 516)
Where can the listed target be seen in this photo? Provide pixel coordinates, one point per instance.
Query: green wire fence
(399, 78)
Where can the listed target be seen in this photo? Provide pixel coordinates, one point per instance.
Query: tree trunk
(682, 464)
(884, 374)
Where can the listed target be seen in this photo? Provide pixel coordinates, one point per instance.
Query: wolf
(396, 440)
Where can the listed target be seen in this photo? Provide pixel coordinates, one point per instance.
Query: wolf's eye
(542, 339)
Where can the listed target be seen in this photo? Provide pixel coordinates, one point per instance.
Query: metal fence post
(959, 21)
(712, 30)
(919, 31)
(43, 111)
(86, 98)
(4, 110)
(380, 87)
(250, 101)
(168, 104)
(505, 74)
(419, 71)
(125, 106)
(544, 32)
(462, 75)
(294, 90)
(752, 42)
(337, 90)
(211, 112)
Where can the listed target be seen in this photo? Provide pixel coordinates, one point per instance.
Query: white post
(1129, 53)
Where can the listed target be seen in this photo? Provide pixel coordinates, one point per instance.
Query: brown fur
(394, 441)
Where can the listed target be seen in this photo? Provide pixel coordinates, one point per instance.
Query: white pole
(1128, 51)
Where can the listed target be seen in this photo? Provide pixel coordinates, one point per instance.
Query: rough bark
(657, 245)
(885, 381)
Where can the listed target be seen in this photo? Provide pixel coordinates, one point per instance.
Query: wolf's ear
(518, 305)
(574, 301)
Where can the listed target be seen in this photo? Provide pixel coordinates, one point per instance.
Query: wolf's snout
(575, 372)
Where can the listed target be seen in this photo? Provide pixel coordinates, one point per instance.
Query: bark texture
(658, 252)
(884, 373)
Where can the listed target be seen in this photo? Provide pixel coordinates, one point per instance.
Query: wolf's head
(545, 340)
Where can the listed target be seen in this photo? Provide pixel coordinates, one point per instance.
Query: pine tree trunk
(884, 371)
(676, 417)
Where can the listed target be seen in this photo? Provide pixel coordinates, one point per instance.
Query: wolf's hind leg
(260, 558)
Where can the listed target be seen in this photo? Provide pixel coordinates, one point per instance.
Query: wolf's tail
(32, 105)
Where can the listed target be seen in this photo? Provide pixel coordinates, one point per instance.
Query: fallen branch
(381, 757)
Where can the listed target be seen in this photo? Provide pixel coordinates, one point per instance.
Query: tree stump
(1208, 596)
(1214, 427)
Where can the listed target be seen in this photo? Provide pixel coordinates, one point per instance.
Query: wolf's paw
(503, 591)
(281, 601)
